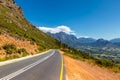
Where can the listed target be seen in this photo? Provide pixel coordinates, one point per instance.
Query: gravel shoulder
(80, 70)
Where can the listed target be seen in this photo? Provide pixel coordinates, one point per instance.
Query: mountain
(83, 42)
(13, 23)
(100, 48)
(71, 40)
(116, 40)
(86, 40)
(102, 43)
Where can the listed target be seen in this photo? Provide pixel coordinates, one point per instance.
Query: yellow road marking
(61, 72)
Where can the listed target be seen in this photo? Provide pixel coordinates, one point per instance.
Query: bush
(23, 51)
(105, 63)
(10, 48)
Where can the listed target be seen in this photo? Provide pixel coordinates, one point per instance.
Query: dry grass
(6, 39)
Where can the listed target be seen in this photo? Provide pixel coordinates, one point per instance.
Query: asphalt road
(49, 66)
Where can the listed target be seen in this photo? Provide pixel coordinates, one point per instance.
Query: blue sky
(93, 18)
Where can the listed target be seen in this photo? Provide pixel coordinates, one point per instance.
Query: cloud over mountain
(58, 29)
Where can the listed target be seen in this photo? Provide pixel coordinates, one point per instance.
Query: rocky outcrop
(12, 5)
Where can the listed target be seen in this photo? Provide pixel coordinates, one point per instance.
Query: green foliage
(9, 48)
(41, 49)
(21, 50)
(25, 53)
(106, 63)
(16, 56)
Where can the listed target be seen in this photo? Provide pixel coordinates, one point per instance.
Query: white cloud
(61, 28)
(58, 29)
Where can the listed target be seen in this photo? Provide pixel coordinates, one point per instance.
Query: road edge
(62, 66)
(22, 58)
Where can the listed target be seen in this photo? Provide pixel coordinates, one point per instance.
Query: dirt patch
(79, 70)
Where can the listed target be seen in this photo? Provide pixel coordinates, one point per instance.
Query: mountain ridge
(98, 48)
(115, 40)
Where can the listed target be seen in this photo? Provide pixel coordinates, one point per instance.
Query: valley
(101, 49)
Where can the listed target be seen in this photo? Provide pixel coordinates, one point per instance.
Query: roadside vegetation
(13, 52)
(76, 54)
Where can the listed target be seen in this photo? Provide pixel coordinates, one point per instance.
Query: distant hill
(116, 40)
(103, 43)
(95, 47)
(71, 40)
(86, 40)
(74, 41)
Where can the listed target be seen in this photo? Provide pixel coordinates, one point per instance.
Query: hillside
(14, 27)
(13, 23)
(11, 47)
(116, 40)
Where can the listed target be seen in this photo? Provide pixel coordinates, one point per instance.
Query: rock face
(12, 5)
(7, 1)
(12, 14)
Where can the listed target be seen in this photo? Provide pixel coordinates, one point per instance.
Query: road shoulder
(80, 70)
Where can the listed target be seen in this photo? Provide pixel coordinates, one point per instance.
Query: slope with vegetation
(11, 47)
(16, 33)
(12, 22)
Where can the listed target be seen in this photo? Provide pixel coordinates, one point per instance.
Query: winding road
(48, 66)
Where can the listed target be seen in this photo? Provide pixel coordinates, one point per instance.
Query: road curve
(48, 66)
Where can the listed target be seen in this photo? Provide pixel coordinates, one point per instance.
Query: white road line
(22, 58)
(14, 74)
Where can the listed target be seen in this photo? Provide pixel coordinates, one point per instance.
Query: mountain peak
(102, 40)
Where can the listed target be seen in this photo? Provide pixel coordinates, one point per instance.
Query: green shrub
(22, 51)
(105, 63)
(16, 56)
(10, 48)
